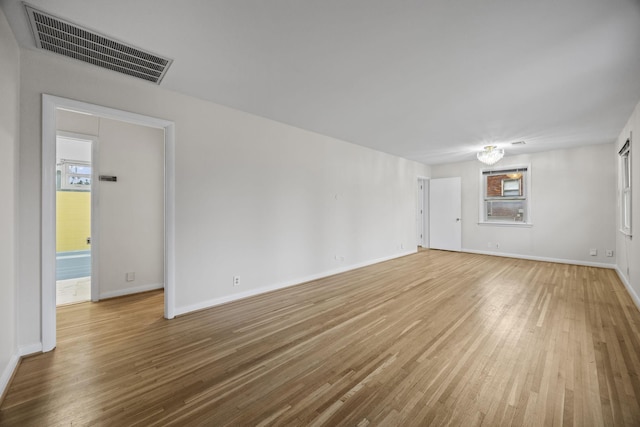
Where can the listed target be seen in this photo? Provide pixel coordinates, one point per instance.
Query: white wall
(628, 247)
(131, 220)
(85, 124)
(9, 137)
(268, 202)
(572, 206)
(131, 209)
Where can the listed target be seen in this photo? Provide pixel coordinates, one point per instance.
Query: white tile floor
(73, 290)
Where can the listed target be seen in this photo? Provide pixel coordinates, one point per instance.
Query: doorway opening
(74, 195)
(50, 107)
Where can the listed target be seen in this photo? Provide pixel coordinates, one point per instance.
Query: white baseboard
(27, 350)
(545, 259)
(252, 292)
(11, 367)
(625, 282)
(7, 373)
(129, 291)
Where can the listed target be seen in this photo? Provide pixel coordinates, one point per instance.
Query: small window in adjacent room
(505, 196)
(625, 187)
(74, 175)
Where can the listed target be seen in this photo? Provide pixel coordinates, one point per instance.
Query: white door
(445, 209)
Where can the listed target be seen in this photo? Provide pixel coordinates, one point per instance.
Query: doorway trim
(50, 104)
(422, 212)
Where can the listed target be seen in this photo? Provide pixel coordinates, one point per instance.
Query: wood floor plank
(435, 338)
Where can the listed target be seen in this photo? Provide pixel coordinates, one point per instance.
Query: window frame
(625, 185)
(65, 174)
(525, 190)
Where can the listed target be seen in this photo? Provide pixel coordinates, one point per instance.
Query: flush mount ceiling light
(490, 155)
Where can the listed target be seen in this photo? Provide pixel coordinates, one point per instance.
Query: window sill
(507, 224)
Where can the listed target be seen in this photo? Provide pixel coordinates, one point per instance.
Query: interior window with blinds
(505, 194)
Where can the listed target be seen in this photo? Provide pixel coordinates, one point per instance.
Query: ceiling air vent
(68, 39)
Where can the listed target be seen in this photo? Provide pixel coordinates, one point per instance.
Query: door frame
(95, 212)
(50, 104)
(422, 212)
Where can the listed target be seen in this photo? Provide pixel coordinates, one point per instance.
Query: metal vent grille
(62, 37)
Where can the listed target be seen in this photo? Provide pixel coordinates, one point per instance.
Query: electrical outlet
(497, 245)
(609, 252)
(236, 280)
(593, 252)
(131, 277)
(489, 245)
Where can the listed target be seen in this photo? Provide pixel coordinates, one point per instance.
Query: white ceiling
(432, 81)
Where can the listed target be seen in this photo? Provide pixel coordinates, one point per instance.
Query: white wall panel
(628, 247)
(131, 229)
(9, 137)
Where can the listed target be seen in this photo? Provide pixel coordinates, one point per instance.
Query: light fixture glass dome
(490, 155)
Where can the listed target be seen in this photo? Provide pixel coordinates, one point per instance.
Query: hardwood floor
(435, 338)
